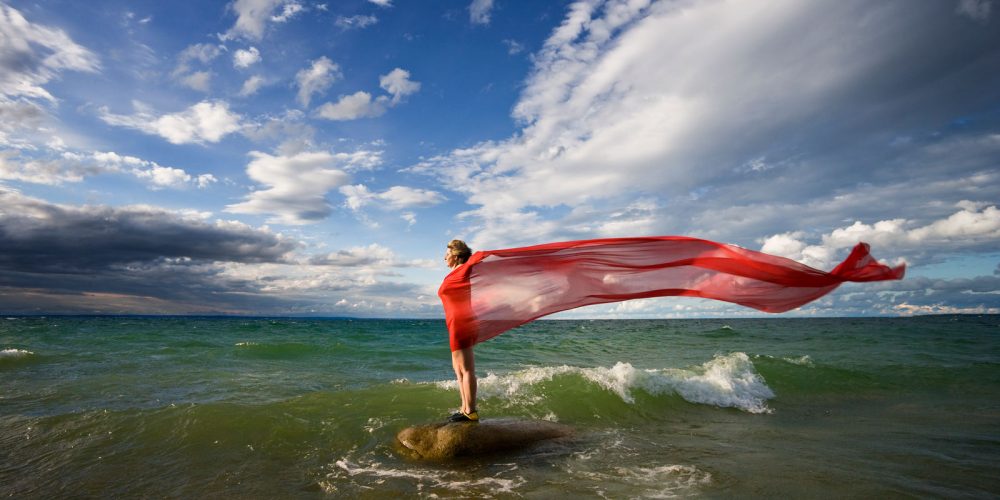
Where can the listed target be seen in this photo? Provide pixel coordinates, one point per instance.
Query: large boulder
(447, 440)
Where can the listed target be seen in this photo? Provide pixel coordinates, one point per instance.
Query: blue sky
(294, 157)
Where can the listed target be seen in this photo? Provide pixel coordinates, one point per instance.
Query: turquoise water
(264, 408)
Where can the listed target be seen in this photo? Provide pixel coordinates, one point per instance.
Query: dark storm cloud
(36, 236)
(137, 251)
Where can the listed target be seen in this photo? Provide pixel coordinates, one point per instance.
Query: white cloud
(252, 16)
(396, 197)
(31, 55)
(382, 3)
(205, 180)
(354, 106)
(361, 104)
(252, 85)
(74, 167)
(397, 82)
(373, 257)
(316, 79)
(20, 118)
(409, 217)
(157, 176)
(298, 184)
(289, 11)
(479, 11)
(203, 53)
(207, 121)
(199, 80)
(244, 58)
(355, 22)
(50, 171)
(165, 176)
(974, 225)
(631, 99)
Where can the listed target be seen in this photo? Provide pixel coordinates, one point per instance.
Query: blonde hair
(460, 250)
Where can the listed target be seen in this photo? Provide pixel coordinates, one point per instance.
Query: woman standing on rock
(461, 341)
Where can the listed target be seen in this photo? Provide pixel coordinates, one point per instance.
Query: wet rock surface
(448, 440)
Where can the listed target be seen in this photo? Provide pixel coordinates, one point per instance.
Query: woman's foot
(461, 416)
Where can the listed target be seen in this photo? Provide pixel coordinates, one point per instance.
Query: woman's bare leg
(465, 372)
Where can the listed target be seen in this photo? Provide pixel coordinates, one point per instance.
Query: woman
(462, 361)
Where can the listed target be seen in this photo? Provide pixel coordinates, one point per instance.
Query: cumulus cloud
(479, 11)
(244, 58)
(207, 121)
(31, 55)
(973, 226)
(382, 3)
(397, 83)
(780, 111)
(252, 16)
(351, 107)
(298, 184)
(316, 79)
(361, 104)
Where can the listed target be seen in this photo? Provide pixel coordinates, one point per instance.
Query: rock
(447, 440)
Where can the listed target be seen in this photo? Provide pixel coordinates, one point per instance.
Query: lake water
(268, 408)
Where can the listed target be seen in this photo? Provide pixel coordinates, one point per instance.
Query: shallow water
(309, 408)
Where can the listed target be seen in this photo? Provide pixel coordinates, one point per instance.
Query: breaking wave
(728, 381)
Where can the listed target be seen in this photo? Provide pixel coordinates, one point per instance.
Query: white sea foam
(425, 478)
(802, 360)
(15, 353)
(728, 381)
(246, 344)
(665, 481)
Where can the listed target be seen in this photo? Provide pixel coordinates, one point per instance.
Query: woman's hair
(460, 250)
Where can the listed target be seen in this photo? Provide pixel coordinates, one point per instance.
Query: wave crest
(15, 353)
(728, 381)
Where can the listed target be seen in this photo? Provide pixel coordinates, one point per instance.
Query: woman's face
(450, 259)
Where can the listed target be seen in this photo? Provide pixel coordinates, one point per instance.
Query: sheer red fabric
(497, 290)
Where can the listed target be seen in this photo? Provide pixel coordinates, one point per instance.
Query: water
(264, 408)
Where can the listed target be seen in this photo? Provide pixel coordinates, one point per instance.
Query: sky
(313, 158)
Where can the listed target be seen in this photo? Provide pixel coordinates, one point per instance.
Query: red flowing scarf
(497, 290)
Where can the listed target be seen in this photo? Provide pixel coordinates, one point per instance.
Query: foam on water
(665, 481)
(15, 353)
(728, 381)
(801, 361)
(425, 479)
